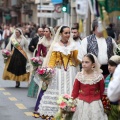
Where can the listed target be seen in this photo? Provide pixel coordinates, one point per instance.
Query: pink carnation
(67, 96)
(63, 105)
(40, 62)
(41, 71)
(7, 53)
(32, 58)
(73, 109)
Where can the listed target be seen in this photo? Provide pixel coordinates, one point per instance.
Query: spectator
(34, 41)
(102, 48)
(110, 31)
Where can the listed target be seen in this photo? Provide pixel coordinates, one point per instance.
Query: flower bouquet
(45, 74)
(67, 106)
(35, 61)
(6, 54)
(106, 104)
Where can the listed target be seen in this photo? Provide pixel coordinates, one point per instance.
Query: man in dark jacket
(34, 41)
(110, 31)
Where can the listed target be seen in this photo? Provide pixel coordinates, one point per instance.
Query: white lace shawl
(93, 79)
(65, 50)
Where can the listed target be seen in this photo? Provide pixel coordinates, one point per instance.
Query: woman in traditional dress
(41, 51)
(88, 89)
(15, 68)
(62, 56)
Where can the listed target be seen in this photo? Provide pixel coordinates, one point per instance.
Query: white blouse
(102, 49)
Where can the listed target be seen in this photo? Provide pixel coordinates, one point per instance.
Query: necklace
(65, 44)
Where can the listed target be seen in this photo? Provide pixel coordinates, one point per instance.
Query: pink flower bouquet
(66, 103)
(6, 54)
(46, 74)
(35, 61)
(67, 106)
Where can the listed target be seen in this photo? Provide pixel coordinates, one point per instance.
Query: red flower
(73, 109)
(63, 105)
(41, 71)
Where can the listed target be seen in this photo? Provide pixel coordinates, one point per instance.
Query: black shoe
(17, 84)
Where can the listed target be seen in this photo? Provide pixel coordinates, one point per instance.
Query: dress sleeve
(114, 90)
(102, 86)
(76, 88)
(52, 61)
(75, 54)
(8, 47)
(114, 86)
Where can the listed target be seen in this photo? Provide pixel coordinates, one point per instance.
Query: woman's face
(47, 33)
(111, 68)
(17, 33)
(65, 34)
(87, 64)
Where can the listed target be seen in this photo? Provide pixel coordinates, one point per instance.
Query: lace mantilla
(65, 50)
(93, 79)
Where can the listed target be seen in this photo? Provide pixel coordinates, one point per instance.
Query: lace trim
(65, 50)
(96, 77)
(47, 43)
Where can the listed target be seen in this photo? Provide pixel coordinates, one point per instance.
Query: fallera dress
(15, 67)
(88, 91)
(33, 89)
(33, 86)
(64, 60)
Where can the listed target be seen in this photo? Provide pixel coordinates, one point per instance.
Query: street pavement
(14, 103)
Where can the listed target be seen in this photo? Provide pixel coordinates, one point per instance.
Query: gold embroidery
(80, 91)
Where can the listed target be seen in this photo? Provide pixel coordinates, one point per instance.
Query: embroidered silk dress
(88, 91)
(64, 60)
